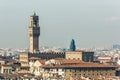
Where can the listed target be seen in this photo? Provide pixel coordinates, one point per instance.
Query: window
(75, 70)
(110, 74)
(10, 71)
(4, 70)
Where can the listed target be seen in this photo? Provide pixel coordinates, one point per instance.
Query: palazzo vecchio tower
(34, 33)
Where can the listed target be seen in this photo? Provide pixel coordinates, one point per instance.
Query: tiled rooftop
(78, 64)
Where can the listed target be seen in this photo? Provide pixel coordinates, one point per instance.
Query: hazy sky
(92, 23)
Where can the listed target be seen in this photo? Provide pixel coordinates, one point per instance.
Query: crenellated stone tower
(34, 33)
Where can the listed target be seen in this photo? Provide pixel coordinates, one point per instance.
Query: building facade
(24, 58)
(88, 56)
(73, 55)
(80, 55)
(6, 69)
(89, 72)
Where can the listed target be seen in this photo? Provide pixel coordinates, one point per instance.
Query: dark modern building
(72, 45)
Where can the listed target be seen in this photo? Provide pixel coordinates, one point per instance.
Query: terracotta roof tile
(5, 65)
(78, 64)
(42, 61)
(71, 61)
